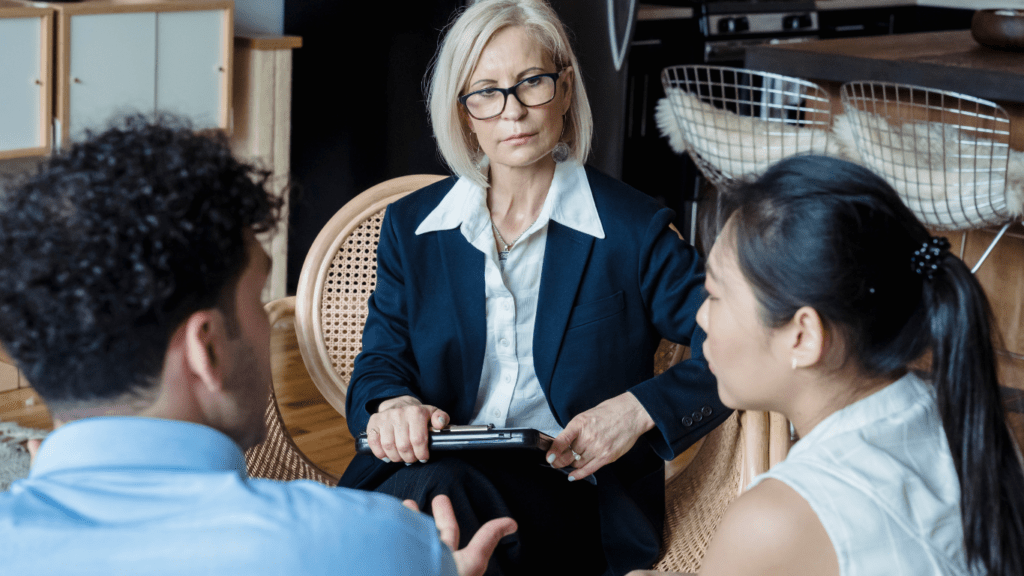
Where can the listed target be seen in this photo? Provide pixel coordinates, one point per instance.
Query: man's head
(127, 247)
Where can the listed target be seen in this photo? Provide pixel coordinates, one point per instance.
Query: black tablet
(477, 438)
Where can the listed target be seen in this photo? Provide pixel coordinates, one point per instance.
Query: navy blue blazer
(603, 308)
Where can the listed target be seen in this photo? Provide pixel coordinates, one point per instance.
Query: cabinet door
(21, 88)
(112, 67)
(191, 65)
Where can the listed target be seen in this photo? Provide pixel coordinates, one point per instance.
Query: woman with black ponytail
(823, 291)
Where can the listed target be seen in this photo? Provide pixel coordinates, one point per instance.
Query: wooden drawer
(9, 377)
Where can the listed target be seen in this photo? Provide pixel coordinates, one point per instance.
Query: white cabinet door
(112, 68)
(20, 85)
(191, 64)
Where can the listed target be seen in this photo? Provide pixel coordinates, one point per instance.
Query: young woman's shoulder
(770, 530)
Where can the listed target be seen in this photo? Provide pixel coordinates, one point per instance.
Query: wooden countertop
(944, 60)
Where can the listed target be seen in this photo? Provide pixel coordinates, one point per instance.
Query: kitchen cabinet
(26, 56)
(123, 56)
(263, 106)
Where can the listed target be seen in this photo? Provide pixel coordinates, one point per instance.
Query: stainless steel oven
(729, 28)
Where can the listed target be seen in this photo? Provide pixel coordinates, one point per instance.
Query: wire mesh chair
(946, 154)
(737, 122)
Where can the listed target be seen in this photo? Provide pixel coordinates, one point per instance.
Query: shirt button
(706, 410)
(504, 342)
(496, 413)
(697, 416)
(508, 378)
(508, 306)
(687, 421)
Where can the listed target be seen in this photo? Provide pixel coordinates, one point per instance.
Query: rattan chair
(338, 276)
(277, 457)
(946, 154)
(329, 308)
(736, 122)
(714, 472)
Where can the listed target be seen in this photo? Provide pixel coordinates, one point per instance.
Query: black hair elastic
(925, 260)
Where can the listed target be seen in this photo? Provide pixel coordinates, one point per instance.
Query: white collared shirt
(510, 395)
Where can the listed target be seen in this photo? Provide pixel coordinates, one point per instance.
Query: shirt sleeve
(386, 367)
(683, 401)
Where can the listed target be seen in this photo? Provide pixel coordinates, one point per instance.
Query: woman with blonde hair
(530, 292)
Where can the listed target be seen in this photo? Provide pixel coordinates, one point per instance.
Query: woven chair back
(338, 276)
(945, 153)
(278, 458)
(724, 463)
(738, 122)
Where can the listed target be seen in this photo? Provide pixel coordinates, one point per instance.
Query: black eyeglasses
(533, 91)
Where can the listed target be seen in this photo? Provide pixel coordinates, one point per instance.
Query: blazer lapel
(463, 266)
(565, 258)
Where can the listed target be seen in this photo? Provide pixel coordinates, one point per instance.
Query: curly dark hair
(108, 247)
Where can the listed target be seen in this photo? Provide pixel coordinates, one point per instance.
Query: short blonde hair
(458, 56)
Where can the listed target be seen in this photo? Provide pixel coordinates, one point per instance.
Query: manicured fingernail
(408, 463)
(571, 479)
(551, 458)
(386, 460)
(423, 461)
(442, 420)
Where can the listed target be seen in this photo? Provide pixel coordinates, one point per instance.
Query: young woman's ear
(205, 338)
(809, 340)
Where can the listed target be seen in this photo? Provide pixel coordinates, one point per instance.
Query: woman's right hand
(399, 431)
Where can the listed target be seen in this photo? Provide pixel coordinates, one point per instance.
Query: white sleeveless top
(880, 477)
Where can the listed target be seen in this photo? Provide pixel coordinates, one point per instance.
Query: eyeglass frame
(512, 90)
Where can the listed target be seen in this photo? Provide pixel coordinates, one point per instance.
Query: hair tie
(925, 260)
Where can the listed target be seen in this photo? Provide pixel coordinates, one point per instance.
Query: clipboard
(482, 437)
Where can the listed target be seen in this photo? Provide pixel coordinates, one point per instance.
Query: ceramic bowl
(1002, 28)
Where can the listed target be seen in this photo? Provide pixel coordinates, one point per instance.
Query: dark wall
(358, 112)
(588, 24)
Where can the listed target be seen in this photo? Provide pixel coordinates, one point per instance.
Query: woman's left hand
(600, 435)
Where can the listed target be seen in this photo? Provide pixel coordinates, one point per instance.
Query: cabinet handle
(39, 82)
(220, 68)
(77, 81)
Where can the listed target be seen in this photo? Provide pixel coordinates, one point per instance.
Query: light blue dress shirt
(120, 495)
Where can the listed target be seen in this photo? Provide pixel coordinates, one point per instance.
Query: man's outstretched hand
(471, 560)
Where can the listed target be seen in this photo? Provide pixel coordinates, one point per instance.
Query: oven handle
(735, 50)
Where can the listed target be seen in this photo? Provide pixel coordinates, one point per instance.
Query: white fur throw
(940, 181)
(736, 145)
(950, 178)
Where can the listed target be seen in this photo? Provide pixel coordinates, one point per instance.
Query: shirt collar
(570, 202)
(135, 442)
(897, 400)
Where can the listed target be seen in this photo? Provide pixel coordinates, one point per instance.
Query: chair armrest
(279, 309)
